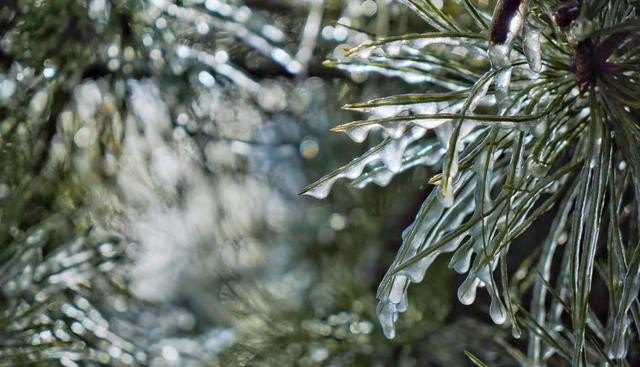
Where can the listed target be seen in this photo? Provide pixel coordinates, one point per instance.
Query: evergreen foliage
(556, 134)
(516, 123)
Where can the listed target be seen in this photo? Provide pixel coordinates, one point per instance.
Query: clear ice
(506, 26)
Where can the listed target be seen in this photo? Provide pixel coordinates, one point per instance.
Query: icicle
(381, 108)
(394, 151)
(423, 233)
(508, 19)
(395, 129)
(404, 303)
(532, 47)
(358, 133)
(377, 111)
(416, 155)
(392, 157)
(497, 310)
(321, 188)
(387, 313)
(408, 76)
(381, 177)
(467, 290)
(443, 133)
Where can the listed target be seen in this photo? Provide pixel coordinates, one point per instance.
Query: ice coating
(467, 290)
(394, 129)
(499, 56)
(414, 45)
(387, 312)
(423, 240)
(429, 154)
(461, 259)
(617, 347)
(411, 77)
(395, 58)
(432, 221)
(479, 95)
(508, 18)
(532, 47)
(392, 157)
(449, 172)
(397, 289)
(390, 153)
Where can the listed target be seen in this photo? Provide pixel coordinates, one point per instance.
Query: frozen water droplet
(467, 290)
(383, 178)
(322, 190)
(358, 134)
(354, 171)
(515, 332)
(386, 315)
(497, 311)
(392, 157)
(404, 303)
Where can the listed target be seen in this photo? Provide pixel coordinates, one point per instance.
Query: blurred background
(152, 153)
